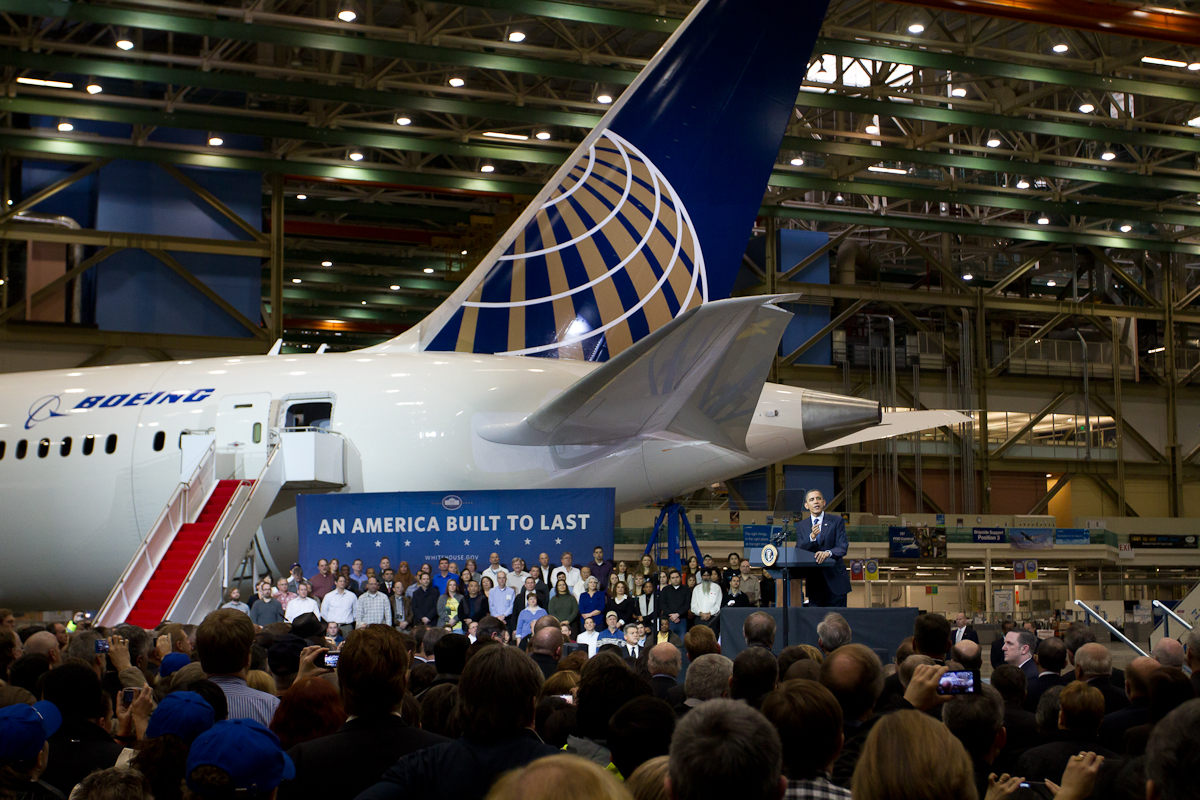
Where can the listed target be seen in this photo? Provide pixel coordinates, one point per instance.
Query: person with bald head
(1168, 652)
(1093, 666)
(968, 653)
(1137, 687)
(963, 632)
(545, 648)
(664, 663)
(44, 643)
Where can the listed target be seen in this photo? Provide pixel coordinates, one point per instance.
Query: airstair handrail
(184, 506)
(1107, 624)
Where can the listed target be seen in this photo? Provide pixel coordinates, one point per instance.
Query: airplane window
(257, 432)
(43, 448)
(160, 439)
(1, 451)
(110, 444)
(64, 449)
(22, 448)
(89, 444)
(309, 415)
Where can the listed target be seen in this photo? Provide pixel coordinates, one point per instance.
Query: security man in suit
(963, 630)
(824, 535)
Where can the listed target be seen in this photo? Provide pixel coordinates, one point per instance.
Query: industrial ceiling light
(512, 137)
(93, 87)
(346, 12)
(1107, 155)
(839, 198)
(457, 83)
(65, 126)
(1060, 48)
(402, 120)
(797, 162)
(355, 155)
(297, 280)
(1022, 184)
(464, 252)
(487, 168)
(916, 27)
(604, 99)
(873, 130)
(46, 83)
(214, 140)
(516, 36)
(394, 287)
(301, 197)
(326, 263)
(968, 276)
(1051, 283)
(1195, 65)
(123, 40)
(1126, 228)
(1043, 220)
(1086, 108)
(993, 139)
(543, 135)
(958, 91)
(1164, 62)
(429, 270)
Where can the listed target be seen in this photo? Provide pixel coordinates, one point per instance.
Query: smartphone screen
(958, 682)
(331, 660)
(101, 645)
(127, 696)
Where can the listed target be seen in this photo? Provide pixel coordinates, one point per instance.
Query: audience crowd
(385, 684)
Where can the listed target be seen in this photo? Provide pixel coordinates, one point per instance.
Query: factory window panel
(160, 439)
(22, 448)
(43, 448)
(110, 444)
(64, 449)
(89, 444)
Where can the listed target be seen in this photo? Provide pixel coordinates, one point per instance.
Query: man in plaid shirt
(809, 721)
(374, 607)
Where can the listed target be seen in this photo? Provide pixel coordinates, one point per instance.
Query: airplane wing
(701, 376)
(898, 423)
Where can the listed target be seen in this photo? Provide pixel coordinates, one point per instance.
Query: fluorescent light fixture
(457, 83)
(124, 44)
(1022, 184)
(297, 280)
(958, 91)
(403, 120)
(429, 270)
(1051, 283)
(214, 140)
(301, 197)
(464, 252)
(1164, 62)
(1126, 228)
(1108, 155)
(487, 168)
(94, 88)
(355, 155)
(797, 162)
(1086, 108)
(543, 135)
(604, 99)
(516, 36)
(326, 263)
(916, 27)
(65, 126)
(46, 83)
(993, 141)
(968, 276)
(888, 170)
(873, 130)
(1043, 220)
(364, 302)
(515, 137)
(394, 287)
(1154, 350)
(1060, 48)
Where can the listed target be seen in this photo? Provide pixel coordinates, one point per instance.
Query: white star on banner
(558, 541)
(348, 544)
(378, 543)
(466, 542)
(407, 543)
(497, 541)
(437, 542)
(526, 541)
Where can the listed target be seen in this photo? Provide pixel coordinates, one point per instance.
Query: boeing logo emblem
(48, 407)
(452, 502)
(43, 409)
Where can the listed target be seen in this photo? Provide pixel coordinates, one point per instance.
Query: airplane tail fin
(649, 217)
(701, 376)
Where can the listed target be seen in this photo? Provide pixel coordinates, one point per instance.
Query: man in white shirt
(567, 571)
(580, 587)
(301, 604)
(517, 575)
(494, 569)
(340, 606)
(706, 600)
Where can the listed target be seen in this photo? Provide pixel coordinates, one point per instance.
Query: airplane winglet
(701, 376)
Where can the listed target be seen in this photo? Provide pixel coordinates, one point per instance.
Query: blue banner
(902, 544)
(988, 536)
(758, 535)
(1072, 536)
(1031, 538)
(422, 527)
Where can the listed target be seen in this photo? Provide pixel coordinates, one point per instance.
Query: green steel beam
(374, 173)
(452, 216)
(227, 82)
(372, 283)
(969, 65)
(976, 119)
(349, 42)
(573, 12)
(326, 252)
(364, 313)
(1037, 169)
(252, 126)
(949, 195)
(964, 228)
(293, 292)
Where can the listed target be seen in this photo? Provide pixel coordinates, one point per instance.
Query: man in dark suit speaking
(824, 535)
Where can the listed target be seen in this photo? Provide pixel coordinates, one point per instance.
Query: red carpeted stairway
(167, 579)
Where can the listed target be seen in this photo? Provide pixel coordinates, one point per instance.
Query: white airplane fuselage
(75, 520)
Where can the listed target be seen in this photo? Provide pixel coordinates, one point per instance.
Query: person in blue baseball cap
(172, 663)
(237, 758)
(25, 751)
(174, 725)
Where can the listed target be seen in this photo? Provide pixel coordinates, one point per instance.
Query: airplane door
(242, 430)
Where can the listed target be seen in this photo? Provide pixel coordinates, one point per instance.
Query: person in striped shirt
(374, 607)
(223, 641)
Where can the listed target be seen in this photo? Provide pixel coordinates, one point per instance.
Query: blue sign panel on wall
(758, 535)
(903, 544)
(1072, 536)
(988, 536)
(421, 527)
